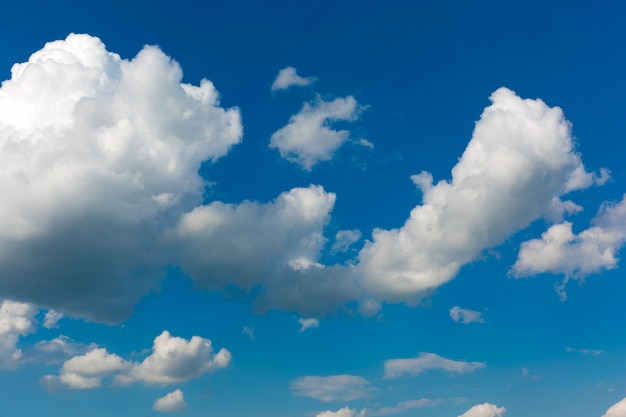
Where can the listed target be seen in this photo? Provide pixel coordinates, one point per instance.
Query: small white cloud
(366, 143)
(288, 77)
(395, 368)
(617, 410)
(308, 138)
(16, 320)
(173, 402)
(402, 407)
(370, 307)
(484, 410)
(248, 331)
(344, 239)
(332, 388)
(51, 319)
(461, 315)
(560, 251)
(308, 323)
(592, 352)
(342, 412)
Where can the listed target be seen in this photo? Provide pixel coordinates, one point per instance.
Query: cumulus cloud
(332, 388)
(172, 360)
(617, 410)
(484, 410)
(173, 402)
(308, 323)
(462, 315)
(97, 153)
(561, 251)
(16, 320)
(308, 138)
(342, 412)
(518, 164)
(395, 368)
(288, 77)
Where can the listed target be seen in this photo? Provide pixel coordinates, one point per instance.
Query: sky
(312, 209)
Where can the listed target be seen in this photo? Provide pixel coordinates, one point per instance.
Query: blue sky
(329, 209)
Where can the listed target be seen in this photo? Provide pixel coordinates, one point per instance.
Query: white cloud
(248, 331)
(288, 77)
(332, 388)
(560, 251)
(51, 319)
(402, 407)
(462, 315)
(342, 412)
(16, 320)
(55, 351)
(86, 371)
(484, 410)
(617, 410)
(592, 352)
(308, 137)
(174, 360)
(173, 402)
(308, 323)
(520, 161)
(369, 307)
(395, 368)
(344, 239)
(99, 155)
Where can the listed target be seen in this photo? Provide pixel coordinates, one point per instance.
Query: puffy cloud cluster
(288, 77)
(16, 320)
(395, 368)
(173, 360)
(308, 138)
(484, 410)
(173, 402)
(465, 316)
(560, 251)
(617, 410)
(518, 164)
(332, 388)
(342, 412)
(97, 153)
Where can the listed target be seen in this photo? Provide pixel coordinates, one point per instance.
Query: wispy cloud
(395, 368)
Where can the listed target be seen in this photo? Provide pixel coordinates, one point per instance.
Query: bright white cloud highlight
(332, 388)
(484, 410)
(308, 138)
(560, 251)
(462, 315)
(16, 320)
(98, 152)
(173, 402)
(288, 77)
(395, 368)
(306, 324)
(518, 164)
(617, 410)
(342, 412)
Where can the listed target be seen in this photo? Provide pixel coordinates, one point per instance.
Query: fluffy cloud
(617, 410)
(484, 410)
(16, 320)
(173, 402)
(308, 324)
(288, 77)
(518, 164)
(560, 251)
(395, 368)
(461, 315)
(332, 388)
(173, 360)
(342, 412)
(97, 153)
(308, 138)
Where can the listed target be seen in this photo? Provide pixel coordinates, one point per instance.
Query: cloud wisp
(332, 388)
(288, 77)
(396, 368)
(465, 316)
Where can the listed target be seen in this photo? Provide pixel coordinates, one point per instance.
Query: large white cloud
(560, 251)
(86, 371)
(308, 138)
(484, 410)
(332, 388)
(519, 163)
(395, 368)
(173, 402)
(617, 410)
(97, 153)
(16, 320)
